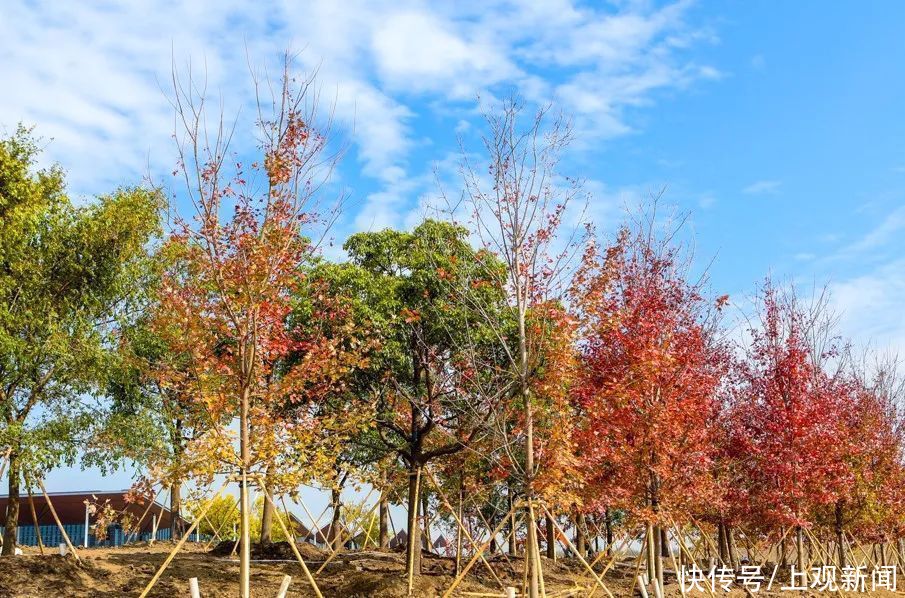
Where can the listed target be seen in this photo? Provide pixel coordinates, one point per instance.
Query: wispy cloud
(91, 74)
(764, 187)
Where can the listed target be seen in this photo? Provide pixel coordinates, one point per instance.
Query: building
(72, 510)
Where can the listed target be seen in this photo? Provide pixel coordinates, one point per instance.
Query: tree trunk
(244, 501)
(799, 547)
(731, 549)
(580, 539)
(664, 544)
(651, 553)
(658, 558)
(551, 538)
(10, 533)
(425, 523)
(459, 534)
(783, 554)
(413, 554)
(721, 542)
(334, 537)
(609, 532)
(383, 535)
(840, 540)
(510, 500)
(267, 521)
(176, 524)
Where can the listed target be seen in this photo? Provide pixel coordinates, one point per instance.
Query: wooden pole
(59, 525)
(137, 527)
(295, 549)
(413, 542)
(581, 558)
(461, 526)
(284, 587)
(34, 518)
(478, 554)
(181, 542)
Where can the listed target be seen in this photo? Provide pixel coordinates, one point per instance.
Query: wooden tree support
(478, 553)
(193, 587)
(295, 549)
(181, 542)
(137, 526)
(343, 538)
(222, 523)
(578, 554)
(284, 586)
(461, 525)
(59, 524)
(34, 517)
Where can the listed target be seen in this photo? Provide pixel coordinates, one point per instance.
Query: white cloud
(871, 306)
(765, 187)
(90, 73)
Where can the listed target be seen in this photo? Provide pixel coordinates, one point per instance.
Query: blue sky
(778, 124)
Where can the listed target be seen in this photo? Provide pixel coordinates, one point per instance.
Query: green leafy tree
(69, 276)
(407, 287)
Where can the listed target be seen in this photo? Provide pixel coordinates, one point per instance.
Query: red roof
(70, 507)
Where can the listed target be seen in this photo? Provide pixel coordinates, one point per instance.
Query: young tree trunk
(244, 501)
(840, 540)
(609, 532)
(176, 524)
(383, 535)
(721, 542)
(783, 554)
(425, 523)
(731, 548)
(551, 538)
(580, 539)
(267, 521)
(531, 547)
(413, 554)
(10, 532)
(651, 553)
(799, 547)
(334, 537)
(664, 544)
(510, 499)
(459, 534)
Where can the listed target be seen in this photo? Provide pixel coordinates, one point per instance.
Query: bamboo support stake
(478, 553)
(638, 559)
(540, 563)
(181, 542)
(315, 522)
(284, 586)
(137, 526)
(411, 542)
(59, 525)
(458, 521)
(578, 554)
(157, 521)
(343, 540)
(193, 587)
(295, 549)
(683, 548)
(222, 523)
(34, 518)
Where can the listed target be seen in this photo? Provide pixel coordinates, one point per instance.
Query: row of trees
(500, 350)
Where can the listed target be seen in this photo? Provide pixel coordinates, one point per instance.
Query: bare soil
(358, 574)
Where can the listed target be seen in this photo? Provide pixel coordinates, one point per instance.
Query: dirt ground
(126, 571)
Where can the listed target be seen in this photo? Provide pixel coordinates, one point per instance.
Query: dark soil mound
(272, 551)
